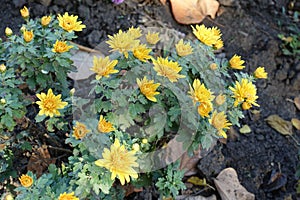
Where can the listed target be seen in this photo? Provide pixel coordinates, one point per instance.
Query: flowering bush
(145, 107)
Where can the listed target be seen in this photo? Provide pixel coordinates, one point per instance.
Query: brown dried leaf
(189, 164)
(229, 187)
(193, 11)
(23, 122)
(297, 102)
(282, 126)
(131, 189)
(296, 123)
(40, 160)
(163, 2)
(2, 146)
(198, 197)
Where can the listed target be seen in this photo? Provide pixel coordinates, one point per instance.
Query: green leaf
(39, 118)
(206, 141)
(135, 109)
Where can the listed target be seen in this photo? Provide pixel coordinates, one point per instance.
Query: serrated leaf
(282, 126)
(135, 109)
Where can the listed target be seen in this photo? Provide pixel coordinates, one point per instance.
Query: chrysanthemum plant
(145, 108)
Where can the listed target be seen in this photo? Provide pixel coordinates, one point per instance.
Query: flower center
(118, 159)
(49, 104)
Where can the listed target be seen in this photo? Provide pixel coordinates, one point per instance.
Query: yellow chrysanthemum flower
(61, 47)
(67, 196)
(8, 31)
(236, 62)
(260, 73)
(205, 108)
(166, 68)
(26, 180)
(24, 12)
(183, 49)
(135, 32)
(220, 122)
(244, 91)
(105, 126)
(219, 43)
(70, 23)
(209, 36)
(152, 38)
(199, 93)
(104, 67)
(119, 162)
(122, 42)
(80, 130)
(49, 104)
(28, 35)
(148, 88)
(141, 52)
(45, 20)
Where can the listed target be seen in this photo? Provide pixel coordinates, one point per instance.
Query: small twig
(84, 48)
(289, 100)
(295, 140)
(60, 149)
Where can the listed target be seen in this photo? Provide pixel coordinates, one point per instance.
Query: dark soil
(250, 29)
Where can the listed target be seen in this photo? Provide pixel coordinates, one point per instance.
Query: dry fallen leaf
(83, 60)
(129, 189)
(197, 181)
(198, 197)
(296, 123)
(282, 126)
(274, 181)
(297, 102)
(2, 146)
(193, 11)
(189, 164)
(163, 2)
(40, 160)
(229, 187)
(245, 129)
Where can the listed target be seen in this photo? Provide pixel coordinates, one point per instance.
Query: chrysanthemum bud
(220, 99)
(246, 106)
(144, 141)
(24, 12)
(8, 31)
(2, 68)
(45, 20)
(22, 29)
(3, 101)
(136, 147)
(72, 91)
(213, 66)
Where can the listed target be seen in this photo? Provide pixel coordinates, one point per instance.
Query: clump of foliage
(291, 42)
(142, 105)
